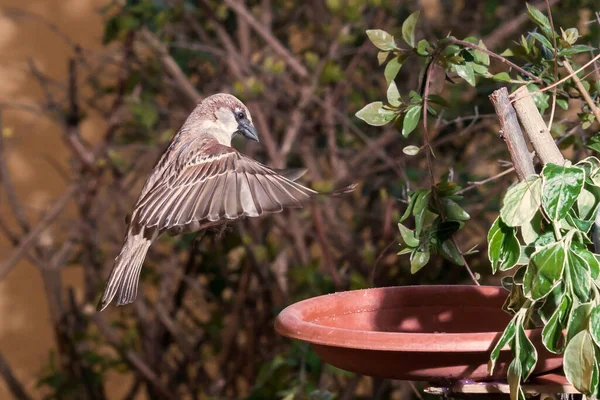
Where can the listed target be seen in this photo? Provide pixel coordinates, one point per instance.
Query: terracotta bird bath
(428, 333)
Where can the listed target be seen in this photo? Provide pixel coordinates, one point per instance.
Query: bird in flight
(199, 181)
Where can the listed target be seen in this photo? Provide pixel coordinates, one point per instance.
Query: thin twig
(510, 26)
(555, 48)
(5, 180)
(426, 145)
(377, 260)
(244, 13)
(324, 244)
(496, 56)
(586, 96)
(462, 256)
(429, 151)
(171, 66)
(31, 238)
(476, 184)
(133, 358)
(566, 78)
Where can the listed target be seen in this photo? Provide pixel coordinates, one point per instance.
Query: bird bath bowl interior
(427, 333)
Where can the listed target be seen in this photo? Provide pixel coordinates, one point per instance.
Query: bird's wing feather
(217, 182)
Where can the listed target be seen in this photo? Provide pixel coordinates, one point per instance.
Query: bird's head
(226, 113)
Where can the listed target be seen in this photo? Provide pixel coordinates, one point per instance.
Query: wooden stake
(535, 128)
(511, 133)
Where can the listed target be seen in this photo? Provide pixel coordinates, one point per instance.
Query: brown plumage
(200, 178)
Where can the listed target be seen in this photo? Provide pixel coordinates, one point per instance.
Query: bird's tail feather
(125, 275)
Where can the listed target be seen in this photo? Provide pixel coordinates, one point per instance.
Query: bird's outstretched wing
(216, 183)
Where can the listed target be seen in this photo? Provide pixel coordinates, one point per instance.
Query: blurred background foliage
(202, 326)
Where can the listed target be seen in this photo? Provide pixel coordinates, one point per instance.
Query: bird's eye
(240, 115)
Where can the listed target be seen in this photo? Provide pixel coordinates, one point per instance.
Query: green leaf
(563, 103)
(391, 70)
(544, 239)
(405, 250)
(449, 251)
(411, 203)
(505, 339)
(508, 53)
(415, 98)
(579, 273)
(434, 98)
(591, 164)
(419, 210)
(536, 16)
(514, 380)
(570, 35)
(595, 325)
(481, 57)
(596, 377)
(521, 202)
(560, 189)
(466, 72)
(422, 47)
(411, 150)
(480, 69)
(393, 95)
(374, 114)
(532, 230)
(382, 56)
(590, 260)
(552, 334)
(408, 28)
(552, 302)
(411, 119)
(382, 40)
(587, 205)
(408, 236)
(594, 143)
(527, 354)
(578, 320)
(453, 211)
(445, 229)
(544, 271)
(418, 260)
(542, 39)
(579, 362)
(578, 48)
(503, 246)
(468, 55)
(502, 77)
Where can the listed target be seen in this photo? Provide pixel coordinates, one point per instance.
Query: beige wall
(25, 332)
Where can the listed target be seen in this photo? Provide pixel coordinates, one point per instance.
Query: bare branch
(5, 180)
(586, 96)
(31, 238)
(511, 133)
(15, 387)
(536, 128)
(171, 66)
(244, 13)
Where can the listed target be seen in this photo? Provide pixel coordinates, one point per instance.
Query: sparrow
(201, 180)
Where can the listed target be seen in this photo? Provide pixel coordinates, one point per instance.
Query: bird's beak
(248, 130)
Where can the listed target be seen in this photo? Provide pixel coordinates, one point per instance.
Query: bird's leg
(204, 228)
(198, 238)
(221, 231)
